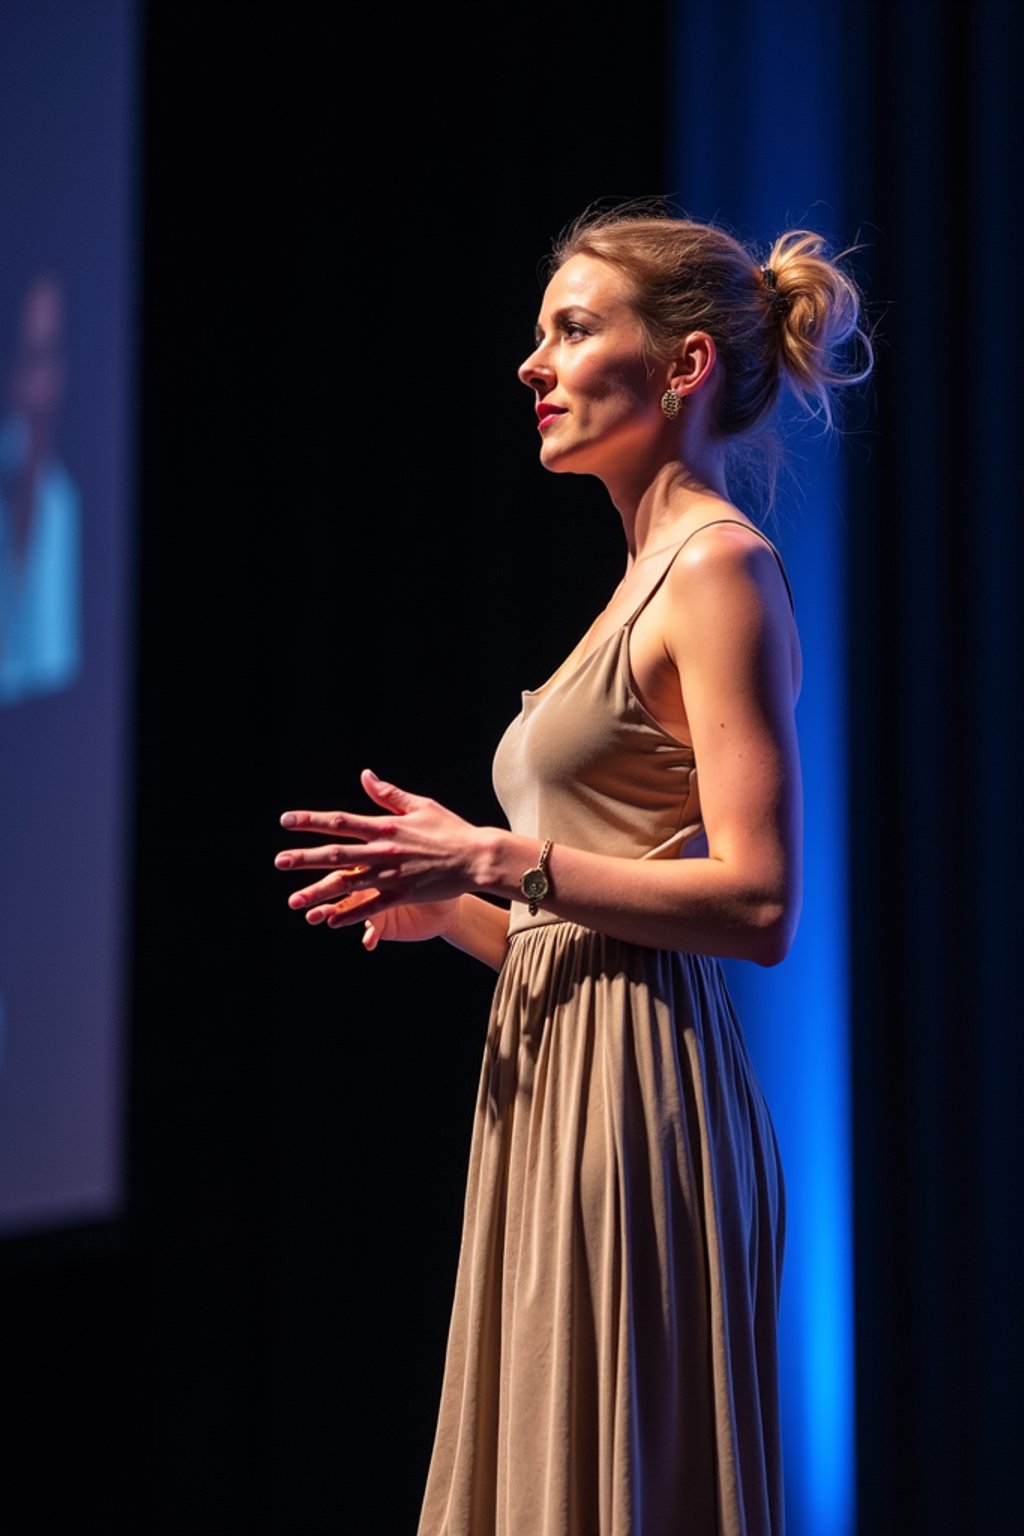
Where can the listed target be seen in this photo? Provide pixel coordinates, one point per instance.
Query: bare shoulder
(727, 551)
(727, 587)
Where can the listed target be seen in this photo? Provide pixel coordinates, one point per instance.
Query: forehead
(587, 281)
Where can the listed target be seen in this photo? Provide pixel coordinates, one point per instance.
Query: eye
(573, 330)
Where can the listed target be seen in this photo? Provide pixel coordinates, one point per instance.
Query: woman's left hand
(418, 852)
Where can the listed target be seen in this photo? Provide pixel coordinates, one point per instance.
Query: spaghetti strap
(715, 523)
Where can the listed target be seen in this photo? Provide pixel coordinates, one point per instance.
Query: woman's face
(598, 390)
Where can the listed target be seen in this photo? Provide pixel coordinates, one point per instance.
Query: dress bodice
(586, 764)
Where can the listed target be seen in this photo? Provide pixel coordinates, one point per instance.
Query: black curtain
(937, 768)
(345, 543)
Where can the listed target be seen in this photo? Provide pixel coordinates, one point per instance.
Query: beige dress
(612, 1361)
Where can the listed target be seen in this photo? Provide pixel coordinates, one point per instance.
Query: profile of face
(598, 389)
(39, 371)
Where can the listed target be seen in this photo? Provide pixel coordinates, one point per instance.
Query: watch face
(535, 884)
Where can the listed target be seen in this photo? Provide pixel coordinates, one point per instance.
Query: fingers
(335, 887)
(357, 909)
(346, 895)
(343, 824)
(340, 856)
(333, 823)
(388, 795)
(341, 914)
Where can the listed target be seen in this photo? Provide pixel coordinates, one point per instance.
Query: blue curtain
(758, 141)
(893, 1031)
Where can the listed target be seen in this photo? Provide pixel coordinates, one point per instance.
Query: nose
(536, 372)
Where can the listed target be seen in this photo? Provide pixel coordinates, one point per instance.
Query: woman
(611, 1366)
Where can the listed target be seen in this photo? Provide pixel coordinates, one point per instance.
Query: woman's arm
(730, 635)
(480, 929)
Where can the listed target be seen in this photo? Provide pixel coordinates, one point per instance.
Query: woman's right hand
(411, 923)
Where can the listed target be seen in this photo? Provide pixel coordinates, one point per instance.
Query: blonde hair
(793, 317)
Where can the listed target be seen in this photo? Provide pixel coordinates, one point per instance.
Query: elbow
(772, 933)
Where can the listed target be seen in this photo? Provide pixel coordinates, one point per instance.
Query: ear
(693, 363)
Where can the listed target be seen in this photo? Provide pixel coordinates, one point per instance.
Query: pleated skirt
(612, 1360)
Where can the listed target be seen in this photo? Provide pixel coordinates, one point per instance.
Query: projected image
(67, 308)
(40, 562)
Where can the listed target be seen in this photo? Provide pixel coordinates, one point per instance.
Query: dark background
(349, 557)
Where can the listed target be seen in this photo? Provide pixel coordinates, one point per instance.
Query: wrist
(503, 861)
(448, 926)
(500, 859)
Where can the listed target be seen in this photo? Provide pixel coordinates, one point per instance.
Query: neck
(653, 504)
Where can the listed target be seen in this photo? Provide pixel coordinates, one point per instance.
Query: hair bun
(819, 307)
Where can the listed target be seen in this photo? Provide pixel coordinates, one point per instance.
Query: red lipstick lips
(546, 412)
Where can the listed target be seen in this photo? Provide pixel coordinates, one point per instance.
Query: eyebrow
(563, 314)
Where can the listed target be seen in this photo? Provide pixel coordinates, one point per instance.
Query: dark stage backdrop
(938, 760)
(344, 534)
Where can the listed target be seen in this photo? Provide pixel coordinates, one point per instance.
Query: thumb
(387, 795)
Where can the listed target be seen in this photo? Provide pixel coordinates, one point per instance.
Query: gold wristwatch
(535, 884)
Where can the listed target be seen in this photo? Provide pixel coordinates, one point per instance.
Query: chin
(566, 461)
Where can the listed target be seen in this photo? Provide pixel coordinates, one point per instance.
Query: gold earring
(671, 404)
